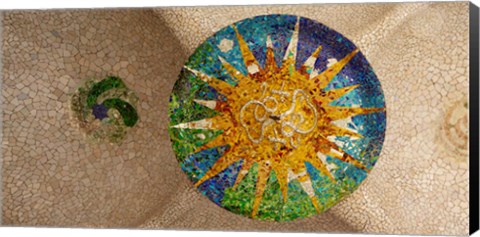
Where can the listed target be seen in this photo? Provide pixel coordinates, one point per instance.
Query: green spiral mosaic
(105, 109)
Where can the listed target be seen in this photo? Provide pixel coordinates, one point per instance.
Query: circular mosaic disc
(277, 117)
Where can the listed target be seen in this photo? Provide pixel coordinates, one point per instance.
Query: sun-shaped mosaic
(277, 117)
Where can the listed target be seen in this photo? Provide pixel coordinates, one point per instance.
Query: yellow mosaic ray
(333, 130)
(270, 64)
(232, 70)
(291, 53)
(227, 159)
(247, 164)
(264, 169)
(300, 171)
(281, 171)
(248, 58)
(309, 64)
(334, 94)
(322, 80)
(213, 82)
(335, 151)
(336, 112)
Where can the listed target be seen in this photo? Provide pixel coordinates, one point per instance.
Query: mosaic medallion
(105, 109)
(277, 117)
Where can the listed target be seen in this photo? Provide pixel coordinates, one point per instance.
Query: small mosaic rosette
(105, 109)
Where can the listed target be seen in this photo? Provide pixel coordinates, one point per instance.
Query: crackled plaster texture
(51, 176)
